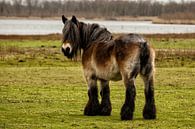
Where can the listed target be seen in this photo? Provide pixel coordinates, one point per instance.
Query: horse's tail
(146, 61)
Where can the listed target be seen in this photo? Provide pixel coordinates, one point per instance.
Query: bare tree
(98, 8)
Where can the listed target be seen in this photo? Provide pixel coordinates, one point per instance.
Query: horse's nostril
(67, 50)
(63, 50)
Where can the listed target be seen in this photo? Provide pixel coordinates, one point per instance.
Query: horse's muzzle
(67, 52)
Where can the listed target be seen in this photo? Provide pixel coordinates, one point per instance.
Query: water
(29, 26)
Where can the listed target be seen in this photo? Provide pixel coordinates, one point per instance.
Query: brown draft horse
(105, 59)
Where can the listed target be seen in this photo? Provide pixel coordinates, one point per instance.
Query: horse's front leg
(105, 106)
(92, 107)
(129, 105)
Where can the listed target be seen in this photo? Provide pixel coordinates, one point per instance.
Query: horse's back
(131, 38)
(128, 46)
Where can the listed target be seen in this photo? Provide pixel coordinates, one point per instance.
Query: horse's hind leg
(92, 107)
(149, 111)
(105, 106)
(129, 105)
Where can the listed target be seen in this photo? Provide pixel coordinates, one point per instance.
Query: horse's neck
(92, 33)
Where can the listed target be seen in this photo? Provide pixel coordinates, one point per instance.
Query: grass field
(39, 88)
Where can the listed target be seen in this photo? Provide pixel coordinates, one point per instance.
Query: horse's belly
(106, 69)
(110, 72)
(116, 77)
(109, 76)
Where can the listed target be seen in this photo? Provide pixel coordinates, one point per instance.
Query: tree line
(97, 9)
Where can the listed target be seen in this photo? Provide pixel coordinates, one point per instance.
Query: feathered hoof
(149, 112)
(92, 109)
(126, 113)
(105, 110)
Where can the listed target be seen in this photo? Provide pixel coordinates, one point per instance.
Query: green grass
(54, 97)
(39, 88)
(30, 43)
(173, 43)
(156, 42)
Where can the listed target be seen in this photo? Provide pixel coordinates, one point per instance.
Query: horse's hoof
(149, 116)
(127, 116)
(126, 113)
(91, 112)
(149, 112)
(92, 109)
(106, 110)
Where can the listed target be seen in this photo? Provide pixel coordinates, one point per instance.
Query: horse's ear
(64, 19)
(74, 20)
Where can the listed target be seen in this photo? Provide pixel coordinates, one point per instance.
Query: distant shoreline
(154, 20)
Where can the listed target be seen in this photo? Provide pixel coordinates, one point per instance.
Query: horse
(105, 59)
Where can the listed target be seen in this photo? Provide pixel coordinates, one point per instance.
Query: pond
(31, 26)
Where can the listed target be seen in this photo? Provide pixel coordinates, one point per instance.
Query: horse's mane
(93, 33)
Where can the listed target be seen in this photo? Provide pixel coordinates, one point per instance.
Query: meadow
(40, 88)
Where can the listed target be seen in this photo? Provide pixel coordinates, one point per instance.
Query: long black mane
(93, 33)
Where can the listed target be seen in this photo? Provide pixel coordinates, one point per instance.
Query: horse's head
(71, 37)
